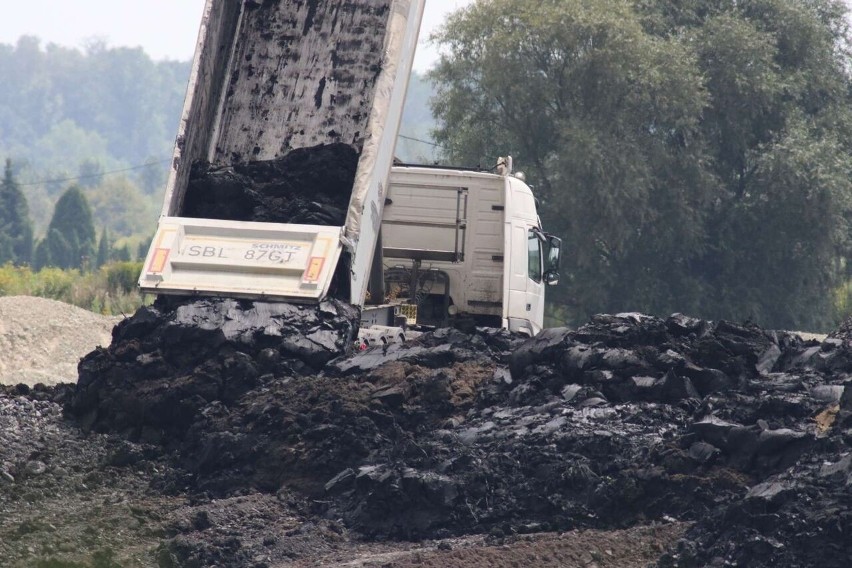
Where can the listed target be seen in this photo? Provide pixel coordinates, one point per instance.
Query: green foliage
(694, 158)
(122, 207)
(41, 256)
(71, 113)
(14, 280)
(843, 299)
(115, 102)
(142, 248)
(123, 276)
(73, 145)
(121, 253)
(104, 247)
(110, 290)
(90, 173)
(54, 283)
(70, 241)
(16, 230)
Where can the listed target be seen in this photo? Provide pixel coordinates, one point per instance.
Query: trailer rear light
(158, 260)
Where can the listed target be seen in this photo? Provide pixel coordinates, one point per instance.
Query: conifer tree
(16, 230)
(103, 249)
(70, 240)
(41, 256)
(122, 253)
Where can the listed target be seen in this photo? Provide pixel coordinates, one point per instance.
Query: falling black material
(627, 420)
(310, 186)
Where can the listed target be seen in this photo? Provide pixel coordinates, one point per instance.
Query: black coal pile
(170, 361)
(628, 420)
(307, 186)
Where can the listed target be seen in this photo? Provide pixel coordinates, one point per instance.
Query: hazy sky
(163, 28)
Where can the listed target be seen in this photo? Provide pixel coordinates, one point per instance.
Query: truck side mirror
(553, 247)
(551, 278)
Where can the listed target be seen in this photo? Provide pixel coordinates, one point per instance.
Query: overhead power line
(420, 140)
(91, 176)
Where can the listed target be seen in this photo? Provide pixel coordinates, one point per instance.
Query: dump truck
(282, 186)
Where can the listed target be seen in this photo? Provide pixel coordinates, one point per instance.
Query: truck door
(526, 287)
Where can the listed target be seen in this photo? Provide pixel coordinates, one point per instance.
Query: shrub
(54, 283)
(843, 300)
(122, 276)
(14, 280)
(109, 291)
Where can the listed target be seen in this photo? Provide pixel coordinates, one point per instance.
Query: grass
(109, 290)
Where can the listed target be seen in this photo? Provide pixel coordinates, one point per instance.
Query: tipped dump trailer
(279, 185)
(283, 89)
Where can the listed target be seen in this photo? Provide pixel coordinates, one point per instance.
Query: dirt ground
(228, 433)
(69, 499)
(74, 500)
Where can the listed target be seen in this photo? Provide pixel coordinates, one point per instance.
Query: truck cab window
(534, 256)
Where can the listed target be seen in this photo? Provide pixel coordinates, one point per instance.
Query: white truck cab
(469, 244)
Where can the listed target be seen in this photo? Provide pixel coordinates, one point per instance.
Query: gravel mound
(41, 340)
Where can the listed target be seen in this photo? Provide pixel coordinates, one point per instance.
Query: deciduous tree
(684, 151)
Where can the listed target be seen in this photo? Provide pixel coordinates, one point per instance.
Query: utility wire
(420, 140)
(90, 176)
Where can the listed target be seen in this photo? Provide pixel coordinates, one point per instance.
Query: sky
(165, 29)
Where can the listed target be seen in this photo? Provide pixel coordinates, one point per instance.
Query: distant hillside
(68, 116)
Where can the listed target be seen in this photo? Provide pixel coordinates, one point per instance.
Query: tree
(142, 248)
(71, 145)
(118, 204)
(779, 130)
(122, 253)
(90, 173)
(16, 230)
(152, 178)
(684, 154)
(41, 256)
(413, 144)
(104, 247)
(70, 240)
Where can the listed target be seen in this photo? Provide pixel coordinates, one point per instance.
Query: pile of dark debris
(627, 420)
